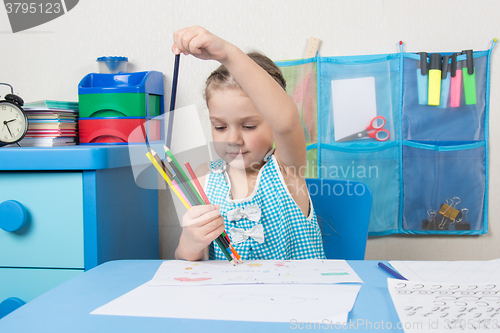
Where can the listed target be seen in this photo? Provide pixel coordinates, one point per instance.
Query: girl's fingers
(208, 232)
(175, 49)
(217, 229)
(201, 215)
(197, 43)
(192, 40)
(178, 47)
(208, 217)
(197, 211)
(186, 38)
(214, 222)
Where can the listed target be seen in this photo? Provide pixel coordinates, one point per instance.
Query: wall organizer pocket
(444, 180)
(412, 126)
(454, 118)
(301, 85)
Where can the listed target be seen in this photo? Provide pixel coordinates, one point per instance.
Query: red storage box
(118, 130)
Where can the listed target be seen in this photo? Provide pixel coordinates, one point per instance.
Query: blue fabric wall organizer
(431, 175)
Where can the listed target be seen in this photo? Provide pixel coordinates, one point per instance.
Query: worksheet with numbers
(439, 307)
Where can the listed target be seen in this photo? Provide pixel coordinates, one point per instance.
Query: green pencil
(183, 176)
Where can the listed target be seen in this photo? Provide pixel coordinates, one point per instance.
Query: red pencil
(197, 183)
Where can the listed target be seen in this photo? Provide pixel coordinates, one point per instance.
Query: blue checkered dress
(288, 234)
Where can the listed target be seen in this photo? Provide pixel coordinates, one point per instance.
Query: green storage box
(118, 105)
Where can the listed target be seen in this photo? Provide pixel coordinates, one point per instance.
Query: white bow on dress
(239, 235)
(251, 212)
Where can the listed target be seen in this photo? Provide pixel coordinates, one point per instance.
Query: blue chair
(343, 211)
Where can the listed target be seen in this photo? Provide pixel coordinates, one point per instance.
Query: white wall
(48, 61)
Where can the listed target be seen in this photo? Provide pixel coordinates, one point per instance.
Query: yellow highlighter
(434, 79)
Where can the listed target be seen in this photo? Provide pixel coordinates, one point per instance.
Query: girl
(259, 195)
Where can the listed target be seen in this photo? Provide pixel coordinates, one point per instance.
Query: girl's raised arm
(266, 94)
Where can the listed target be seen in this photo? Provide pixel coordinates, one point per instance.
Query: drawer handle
(9, 305)
(13, 215)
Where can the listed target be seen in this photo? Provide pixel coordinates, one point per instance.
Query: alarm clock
(13, 120)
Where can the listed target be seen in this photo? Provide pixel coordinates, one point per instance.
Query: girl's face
(242, 137)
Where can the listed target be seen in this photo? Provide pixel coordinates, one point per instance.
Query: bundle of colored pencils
(178, 181)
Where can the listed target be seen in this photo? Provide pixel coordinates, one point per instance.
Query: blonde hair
(222, 79)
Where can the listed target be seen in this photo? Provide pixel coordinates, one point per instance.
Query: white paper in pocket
(354, 105)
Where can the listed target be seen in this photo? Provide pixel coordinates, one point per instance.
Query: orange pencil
(235, 253)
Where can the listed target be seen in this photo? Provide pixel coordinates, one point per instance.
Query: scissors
(379, 133)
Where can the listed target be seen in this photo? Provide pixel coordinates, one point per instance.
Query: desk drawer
(53, 233)
(26, 283)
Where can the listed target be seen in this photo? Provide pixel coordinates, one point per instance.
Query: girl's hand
(201, 43)
(201, 225)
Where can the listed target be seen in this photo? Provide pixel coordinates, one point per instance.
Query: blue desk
(84, 207)
(67, 307)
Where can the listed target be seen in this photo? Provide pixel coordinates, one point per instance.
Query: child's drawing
(255, 272)
(186, 279)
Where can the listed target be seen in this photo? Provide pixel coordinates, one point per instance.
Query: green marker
(469, 78)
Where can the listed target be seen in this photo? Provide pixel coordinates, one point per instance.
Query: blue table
(67, 307)
(83, 205)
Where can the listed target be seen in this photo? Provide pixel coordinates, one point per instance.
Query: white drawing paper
(326, 304)
(450, 271)
(217, 272)
(354, 105)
